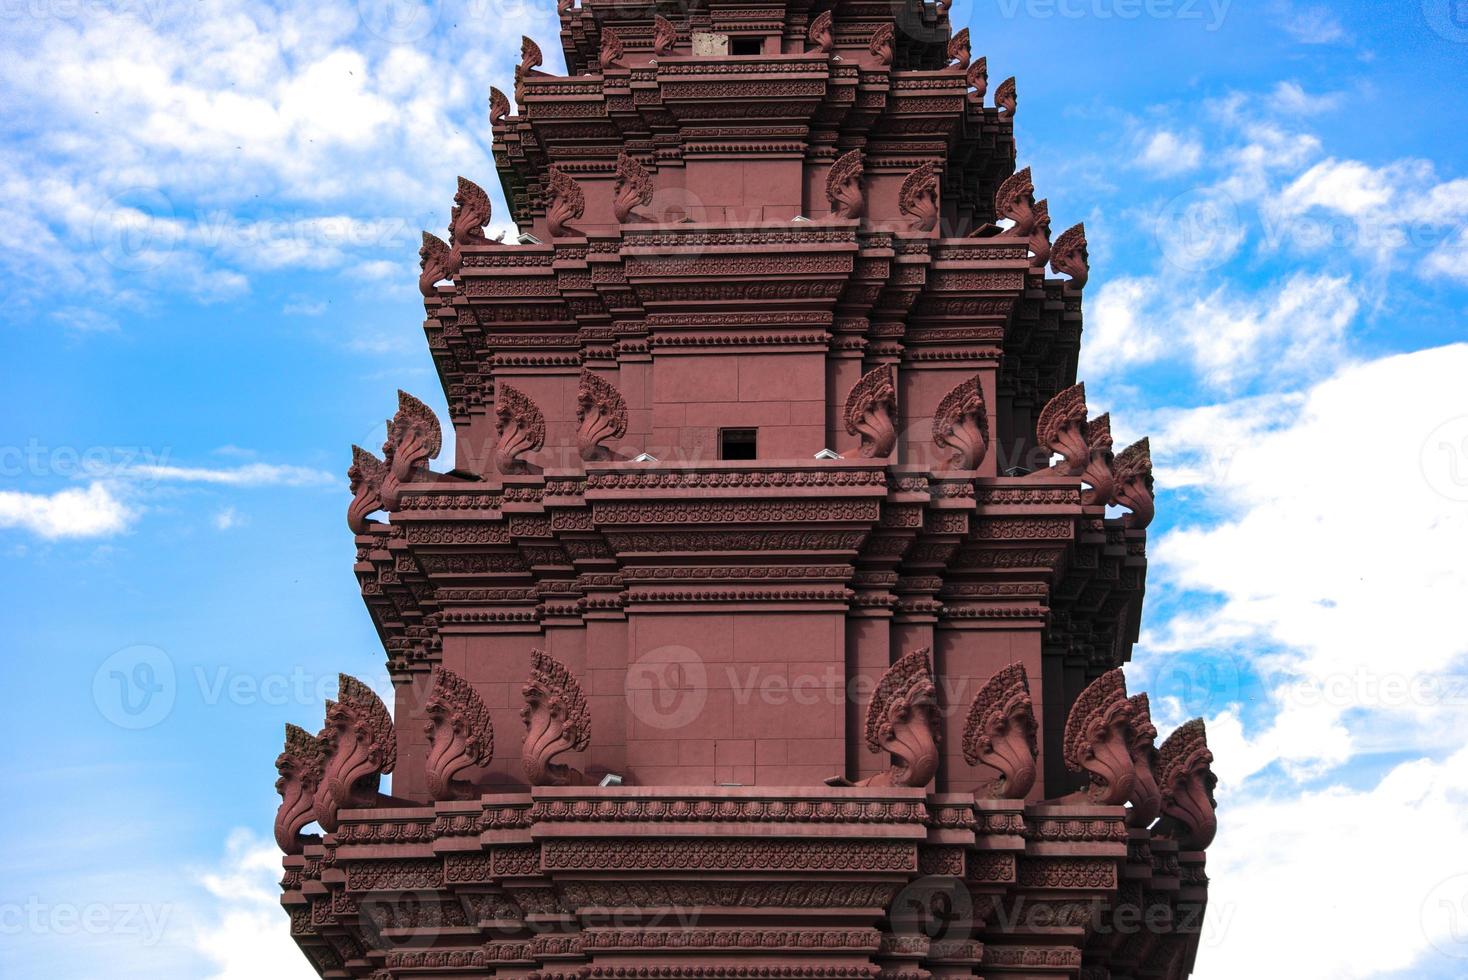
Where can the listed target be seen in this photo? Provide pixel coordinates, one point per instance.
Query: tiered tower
(769, 622)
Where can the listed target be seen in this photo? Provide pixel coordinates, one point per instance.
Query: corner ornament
(632, 188)
(918, 198)
(1061, 430)
(977, 78)
(1146, 798)
(902, 720)
(436, 262)
(871, 413)
(1070, 256)
(299, 766)
(664, 35)
(1100, 473)
(1098, 740)
(521, 429)
(821, 35)
(1039, 243)
(843, 186)
(413, 438)
(959, 52)
(882, 44)
(358, 746)
(471, 213)
(460, 735)
(556, 721)
(365, 475)
(1185, 766)
(1001, 733)
(565, 203)
(961, 428)
(612, 49)
(1006, 97)
(602, 414)
(1134, 485)
(499, 107)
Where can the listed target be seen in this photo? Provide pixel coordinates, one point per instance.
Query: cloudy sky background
(209, 266)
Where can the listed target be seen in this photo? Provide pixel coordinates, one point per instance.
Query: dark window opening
(746, 45)
(737, 443)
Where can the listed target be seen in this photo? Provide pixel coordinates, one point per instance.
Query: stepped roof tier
(772, 527)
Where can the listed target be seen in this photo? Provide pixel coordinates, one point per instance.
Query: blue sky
(209, 267)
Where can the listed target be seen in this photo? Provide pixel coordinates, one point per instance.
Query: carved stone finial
(602, 413)
(499, 106)
(903, 720)
(1039, 242)
(610, 55)
(1001, 733)
(1185, 770)
(299, 766)
(882, 44)
(977, 79)
(470, 215)
(358, 745)
(436, 260)
(1070, 256)
(1006, 97)
(918, 197)
(1146, 798)
(1098, 739)
(821, 34)
(1134, 486)
(521, 428)
(633, 187)
(565, 203)
(958, 50)
(961, 428)
(365, 476)
(1015, 200)
(664, 35)
(871, 413)
(413, 438)
(530, 56)
(565, 6)
(1062, 429)
(460, 734)
(843, 186)
(556, 721)
(1099, 472)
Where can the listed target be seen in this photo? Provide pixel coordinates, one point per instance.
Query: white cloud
(1168, 154)
(249, 475)
(1316, 24)
(1290, 98)
(228, 518)
(73, 513)
(246, 936)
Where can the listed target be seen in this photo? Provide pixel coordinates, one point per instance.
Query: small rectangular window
(746, 45)
(737, 443)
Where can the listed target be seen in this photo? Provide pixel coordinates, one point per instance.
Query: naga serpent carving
(881, 46)
(1039, 243)
(365, 476)
(664, 35)
(871, 413)
(1015, 200)
(903, 721)
(1006, 97)
(958, 50)
(610, 54)
(499, 107)
(436, 262)
(521, 429)
(460, 735)
(1146, 798)
(470, 215)
(556, 721)
(843, 186)
(1061, 430)
(358, 746)
(602, 414)
(1001, 733)
(565, 203)
(977, 79)
(1134, 486)
(918, 198)
(1099, 474)
(961, 428)
(633, 187)
(820, 34)
(1069, 256)
(1185, 769)
(1098, 740)
(413, 438)
(299, 765)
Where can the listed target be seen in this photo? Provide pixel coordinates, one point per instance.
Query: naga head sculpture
(1001, 733)
(1039, 242)
(1069, 256)
(631, 189)
(530, 57)
(882, 44)
(871, 413)
(1098, 740)
(1006, 97)
(610, 55)
(436, 262)
(961, 428)
(903, 721)
(1185, 770)
(358, 746)
(1146, 798)
(565, 6)
(1099, 474)
(556, 721)
(460, 734)
(918, 198)
(565, 203)
(1062, 430)
(821, 34)
(365, 476)
(602, 414)
(843, 186)
(1015, 200)
(470, 215)
(977, 79)
(521, 429)
(1134, 485)
(299, 766)
(499, 107)
(958, 50)
(664, 35)
(413, 438)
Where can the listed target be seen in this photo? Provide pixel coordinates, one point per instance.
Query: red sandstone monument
(752, 630)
